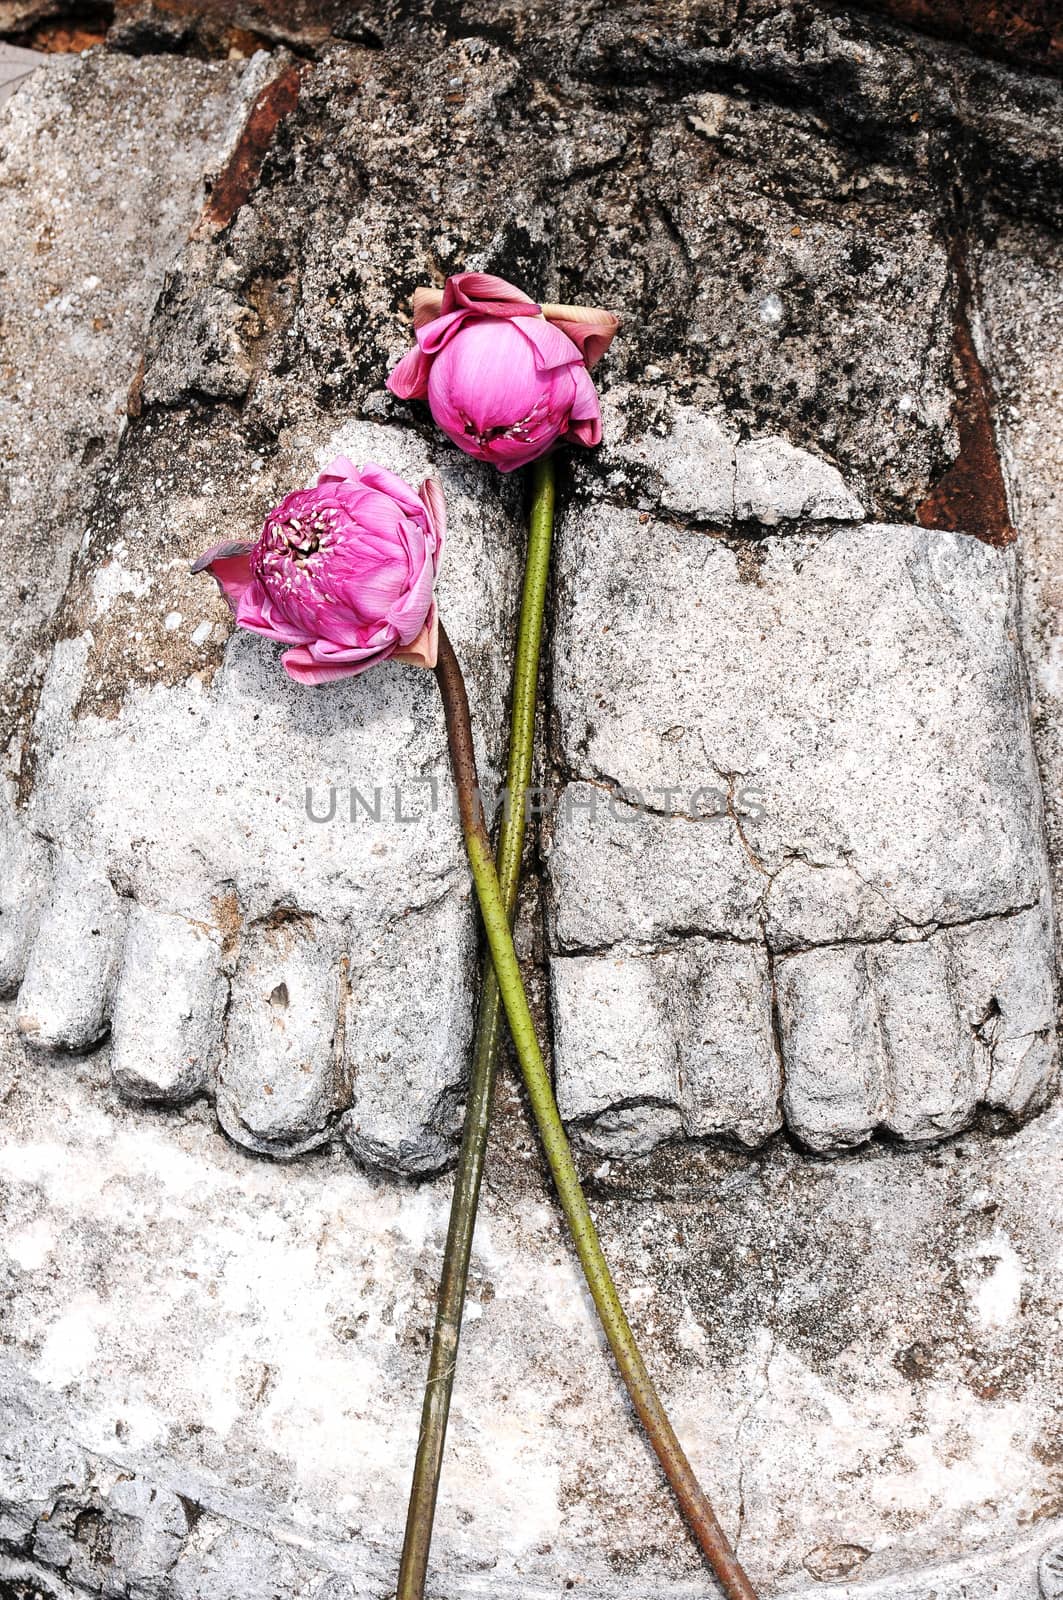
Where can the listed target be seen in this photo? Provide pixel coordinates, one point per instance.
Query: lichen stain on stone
(131, 645)
(228, 921)
(835, 1561)
(970, 496)
(1025, 30)
(234, 185)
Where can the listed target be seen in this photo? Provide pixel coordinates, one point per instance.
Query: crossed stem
(495, 912)
(489, 1027)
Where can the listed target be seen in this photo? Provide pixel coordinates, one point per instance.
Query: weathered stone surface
(1021, 28)
(656, 877)
(224, 25)
(280, 1079)
(15, 67)
(858, 1354)
(689, 461)
(653, 1047)
(816, 793)
(102, 167)
(68, 986)
(861, 1354)
(169, 1008)
(746, 328)
(1020, 272)
(914, 1037)
(188, 794)
(191, 795)
(401, 1057)
(775, 483)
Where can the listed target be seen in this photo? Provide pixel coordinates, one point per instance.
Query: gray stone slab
(102, 166)
(837, 723)
(651, 1047)
(15, 67)
(862, 1354)
(859, 1355)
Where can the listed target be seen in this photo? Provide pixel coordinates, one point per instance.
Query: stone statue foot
(257, 891)
(797, 868)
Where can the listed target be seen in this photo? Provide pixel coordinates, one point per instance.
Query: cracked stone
(873, 726)
(690, 462)
(649, 1048)
(657, 876)
(685, 457)
(775, 482)
(859, 1353)
(88, 240)
(191, 794)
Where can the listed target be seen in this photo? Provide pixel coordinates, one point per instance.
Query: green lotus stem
(442, 1362)
(691, 1497)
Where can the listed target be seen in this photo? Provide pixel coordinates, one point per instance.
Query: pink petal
(552, 348)
(410, 378)
(432, 337)
(407, 614)
(394, 487)
(424, 650)
(585, 425)
(509, 454)
(488, 295)
(300, 665)
(230, 566)
(254, 611)
(588, 432)
(591, 331)
(487, 376)
(431, 492)
(322, 663)
(341, 470)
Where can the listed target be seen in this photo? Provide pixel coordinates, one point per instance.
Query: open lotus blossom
(505, 377)
(343, 572)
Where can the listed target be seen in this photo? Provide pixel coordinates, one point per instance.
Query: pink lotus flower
(345, 572)
(505, 378)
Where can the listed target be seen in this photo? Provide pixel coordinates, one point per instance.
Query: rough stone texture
(101, 175)
(1026, 29)
(15, 67)
(180, 790)
(190, 796)
(648, 1048)
(1020, 273)
(856, 1353)
(211, 1371)
(866, 695)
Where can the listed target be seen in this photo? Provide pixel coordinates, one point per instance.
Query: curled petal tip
(434, 501)
(591, 329)
(424, 650)
(409, 380)
(427, 305)
(219, 552)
